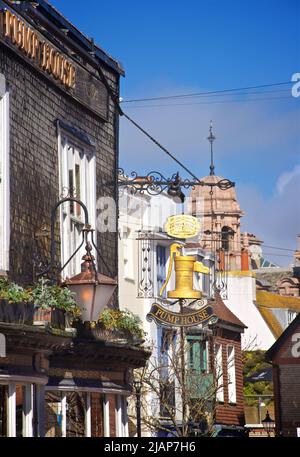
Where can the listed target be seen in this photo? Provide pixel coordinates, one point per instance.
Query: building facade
(285, 358)
(213, 355)
(58, 138)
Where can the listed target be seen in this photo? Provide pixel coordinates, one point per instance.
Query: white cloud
(275, 220)
(286, 177)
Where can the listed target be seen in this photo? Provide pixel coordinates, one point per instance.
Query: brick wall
(35, 104)
(290, 398)
(227, 413)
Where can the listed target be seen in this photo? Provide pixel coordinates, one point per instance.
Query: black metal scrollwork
(154, 183)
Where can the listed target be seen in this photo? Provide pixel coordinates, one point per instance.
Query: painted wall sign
(188, 319)
(30, 43)
(74, 78)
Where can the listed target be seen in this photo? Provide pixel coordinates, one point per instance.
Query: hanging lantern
(93, 290)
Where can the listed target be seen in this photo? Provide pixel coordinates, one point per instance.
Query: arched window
(226, 236)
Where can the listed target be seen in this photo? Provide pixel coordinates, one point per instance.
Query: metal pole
(182, 356)
(138, 411)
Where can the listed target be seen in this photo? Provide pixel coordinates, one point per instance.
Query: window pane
(53, 414)
(161, 267)
(231, 374)
(76, 406)
(219, 372)
(78, 189)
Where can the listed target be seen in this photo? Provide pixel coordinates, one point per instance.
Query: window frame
(231, 369)
(218, 356)
(67, 140)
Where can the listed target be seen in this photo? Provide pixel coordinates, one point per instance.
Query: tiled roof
(266, 301)
(294, 325)
(270, 320)
(224, 314)
(270, 300)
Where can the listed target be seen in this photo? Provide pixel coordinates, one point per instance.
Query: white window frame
(88, 180)
(291, 316)
(4, 177)
(231, 374)
(218, 348)
(128, 254)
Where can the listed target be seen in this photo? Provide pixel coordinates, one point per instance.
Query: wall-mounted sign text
(30, 43)
(163, 316)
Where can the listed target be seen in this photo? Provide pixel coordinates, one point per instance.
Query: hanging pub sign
(162, 316)
(71, 76)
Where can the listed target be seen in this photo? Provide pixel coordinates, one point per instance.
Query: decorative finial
(211, 138)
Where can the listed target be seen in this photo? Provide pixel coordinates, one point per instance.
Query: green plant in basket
(113, 319)
(14, 293)
(47, 295)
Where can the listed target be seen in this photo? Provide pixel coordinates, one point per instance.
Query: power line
(276, 255)
(275, 247)
(116, 102)
(209, 103)
(197, 94)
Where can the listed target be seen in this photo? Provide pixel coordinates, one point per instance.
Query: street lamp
(268, 423)
(93, 290)
(138, 388)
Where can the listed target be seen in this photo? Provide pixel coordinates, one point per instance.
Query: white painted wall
(240, 300)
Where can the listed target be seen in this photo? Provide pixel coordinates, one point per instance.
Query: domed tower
(220, 214)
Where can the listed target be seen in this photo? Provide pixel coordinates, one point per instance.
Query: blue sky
(170, 47)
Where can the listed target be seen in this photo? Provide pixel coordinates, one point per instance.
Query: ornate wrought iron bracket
(154, 183)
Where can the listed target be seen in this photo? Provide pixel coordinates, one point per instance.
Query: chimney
(245, 260)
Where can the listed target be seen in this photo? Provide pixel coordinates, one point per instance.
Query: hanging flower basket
(16, 313)
(55, 317)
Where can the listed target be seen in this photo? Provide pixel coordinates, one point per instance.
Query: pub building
(58, 138)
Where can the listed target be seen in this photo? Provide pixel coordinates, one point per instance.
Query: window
(167, 342)
(128, 254)
(197, 353)
(291, 316)
(4, 176)
(77, 179)
(219, 372)
(161, 268)
(231, 374)
(227, 235)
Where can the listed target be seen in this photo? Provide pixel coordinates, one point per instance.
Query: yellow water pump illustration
(185, 266)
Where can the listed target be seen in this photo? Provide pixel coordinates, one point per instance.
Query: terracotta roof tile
(224, 313)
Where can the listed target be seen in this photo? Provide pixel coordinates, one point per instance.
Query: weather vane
(211, 138)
